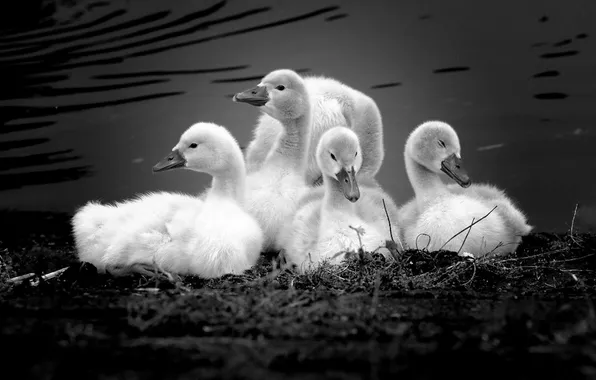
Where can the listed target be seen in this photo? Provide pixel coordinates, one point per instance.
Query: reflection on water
(28, 68)
(98, 90)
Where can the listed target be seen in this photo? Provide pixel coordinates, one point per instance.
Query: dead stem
(574, 259)
(49, 276)
(390, 229)
(473, 275)
(499, 245)
(339, 254)
(535, 267)
(579, 270)
(388, 220)
(21, 278)
(465, 238)
(497, 260)
(149, 290)
(429, 240)
(359, 232)
(448, 274)
(469, 227)
(572, 224)
(28, 276)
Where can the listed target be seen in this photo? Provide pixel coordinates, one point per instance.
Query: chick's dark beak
(171, 161)
(348, 184)
(453, 167)
(257, 96)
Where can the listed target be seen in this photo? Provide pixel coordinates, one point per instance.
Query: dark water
(95, 92)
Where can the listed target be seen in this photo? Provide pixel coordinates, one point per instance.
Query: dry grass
(387, 314)
(543, 263)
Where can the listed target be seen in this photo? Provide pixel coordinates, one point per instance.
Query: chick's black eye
(333, 157)
(193, 145)
(442, 143)
(280, 87)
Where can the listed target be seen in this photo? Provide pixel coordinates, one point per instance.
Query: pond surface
(90, 104)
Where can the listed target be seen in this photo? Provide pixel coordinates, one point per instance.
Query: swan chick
(333, 104)
(324, 229)
(178, 233)
(437, 213)
(274, 189)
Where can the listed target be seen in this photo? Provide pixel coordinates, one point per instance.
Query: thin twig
(49, 276)
(573, 220)
(579, 270)
(21, 278)
(155, 272)
(473, 275)
(497, 260)
(470, 226)
(149, 290)
(536, 267)
(574, 259)
(388, 220)
(572, 224)
(344, 252)
(35, 282)
(358, 232)
(464, 242)
(390, 229)
(448, 273)
(429, 240)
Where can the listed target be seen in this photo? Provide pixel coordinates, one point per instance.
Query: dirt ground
(423, 315)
